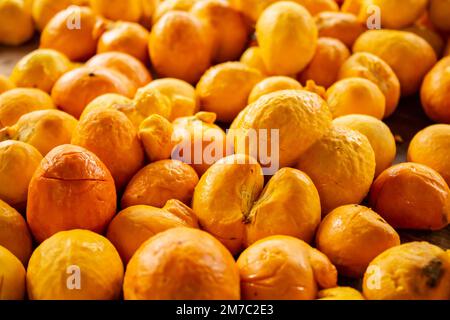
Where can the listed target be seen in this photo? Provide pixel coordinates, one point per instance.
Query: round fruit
(75, 265)
(126, 10)
(328, 59)
(193, 266)
(439, 11)
(224, 89)
(431, 36)
(412, 271)
(431, 147)
(12, 274)
(346, 168)
(17, 24)
(368, 66)
(73, 32)
(345, 27)
(160, 182)
(340, 293)
(401, 50)
(300, 117)
(70, 189)
(356, 96)
(123, 63)
(5, 84)
(352, 236)
(75, 89)
(273, 84)
(19, 161)
(14, 234)
(40, 69)
(125, 37)
(287, 36)
(379, 135)
(16, 102)
(284, 268)
(43, 129)
(179, 47)
(412, 196)
(252, 57)
(44, 10)
(135, 225)
(435, 92)
(231, 204)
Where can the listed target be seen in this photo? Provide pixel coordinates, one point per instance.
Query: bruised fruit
(86, 186)
(155, 133)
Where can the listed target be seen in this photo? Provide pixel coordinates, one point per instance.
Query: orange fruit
(352, 6)
(171, 5)
(356, 96)
(431, 147)
(43, 129)
(70, 189)
(123, 63)
(431, 36)
(227, 26)
(179, 47)
(328, 59)
(400, 50)
(379, 135)
(224, 89)
(287, 36)
(75, 89)
(194, 266)
(19, 161)
(5, 84)
(284, 268)
(73, 32)
(135, 225)
(125, 37)
(273, 84)
(19, 101)
(345, 27)
(301, 117)
(160, 182)
(368, 66)
(40, 69)
(252, 57)
(352, 236)
(17, 24)
(435, 91)
(412, 196)
(342, 166)
(411, 271)
(75, 265)
(12, 274)
(14, 234)
(130, 10)
(340, 293)
(231, 203)
(439, 11)
(103, 131)
(44, 10)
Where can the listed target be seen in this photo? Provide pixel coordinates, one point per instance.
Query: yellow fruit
(356, 96)
(273, 84)
(287, 36)
(179, 47)
(368, 66)
(379, 135)
(126, 10)
(147, 101)
(17, 102)
(324, 67)
(339, 25)
(156, 133)
(12, 274)
(171, 5)
(401, 50)
(40, 69)
(5, 84)
(44, 129)
(181, 95)
(342, 166)
(17, 24)
(75, 265)
(252, 57)
(396, 14)
(411, 271)
(14, 234)
(340, 293)
(44, 10)
(19, 161)
(439, 12)
(431, 147)
(301, 117)
(224, 89)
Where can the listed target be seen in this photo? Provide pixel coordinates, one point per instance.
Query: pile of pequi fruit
(94, 204)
